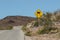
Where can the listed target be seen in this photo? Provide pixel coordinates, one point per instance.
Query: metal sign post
(38, 15)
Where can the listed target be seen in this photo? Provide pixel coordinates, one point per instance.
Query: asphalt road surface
(15, 34)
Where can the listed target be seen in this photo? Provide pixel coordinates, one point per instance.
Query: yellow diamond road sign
(38, 13)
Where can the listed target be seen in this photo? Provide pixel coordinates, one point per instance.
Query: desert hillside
(47, 29)
(15, 21)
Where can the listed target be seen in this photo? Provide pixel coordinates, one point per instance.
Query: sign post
(38, 15)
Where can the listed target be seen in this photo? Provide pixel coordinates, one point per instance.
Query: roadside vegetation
(6, 28)
(26, 30)
(47, 25)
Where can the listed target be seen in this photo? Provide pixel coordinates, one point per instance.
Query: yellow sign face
(38, 13)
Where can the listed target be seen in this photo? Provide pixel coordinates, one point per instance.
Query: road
(15, 34)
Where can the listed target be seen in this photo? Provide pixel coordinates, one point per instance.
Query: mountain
(15, 21)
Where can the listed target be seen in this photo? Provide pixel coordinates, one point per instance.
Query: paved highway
(15, 34)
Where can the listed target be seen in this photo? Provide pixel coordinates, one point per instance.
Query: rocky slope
(15, 21)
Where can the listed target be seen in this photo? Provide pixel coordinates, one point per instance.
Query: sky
(26, 7)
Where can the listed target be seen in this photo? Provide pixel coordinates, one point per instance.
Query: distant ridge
(15, 20)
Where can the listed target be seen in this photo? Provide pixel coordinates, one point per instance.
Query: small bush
(9, 27)
(28, 33)
(36, 23)
(43, 31)
(46, 30)
(1, 28)
(24, 28)
(6, 28)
